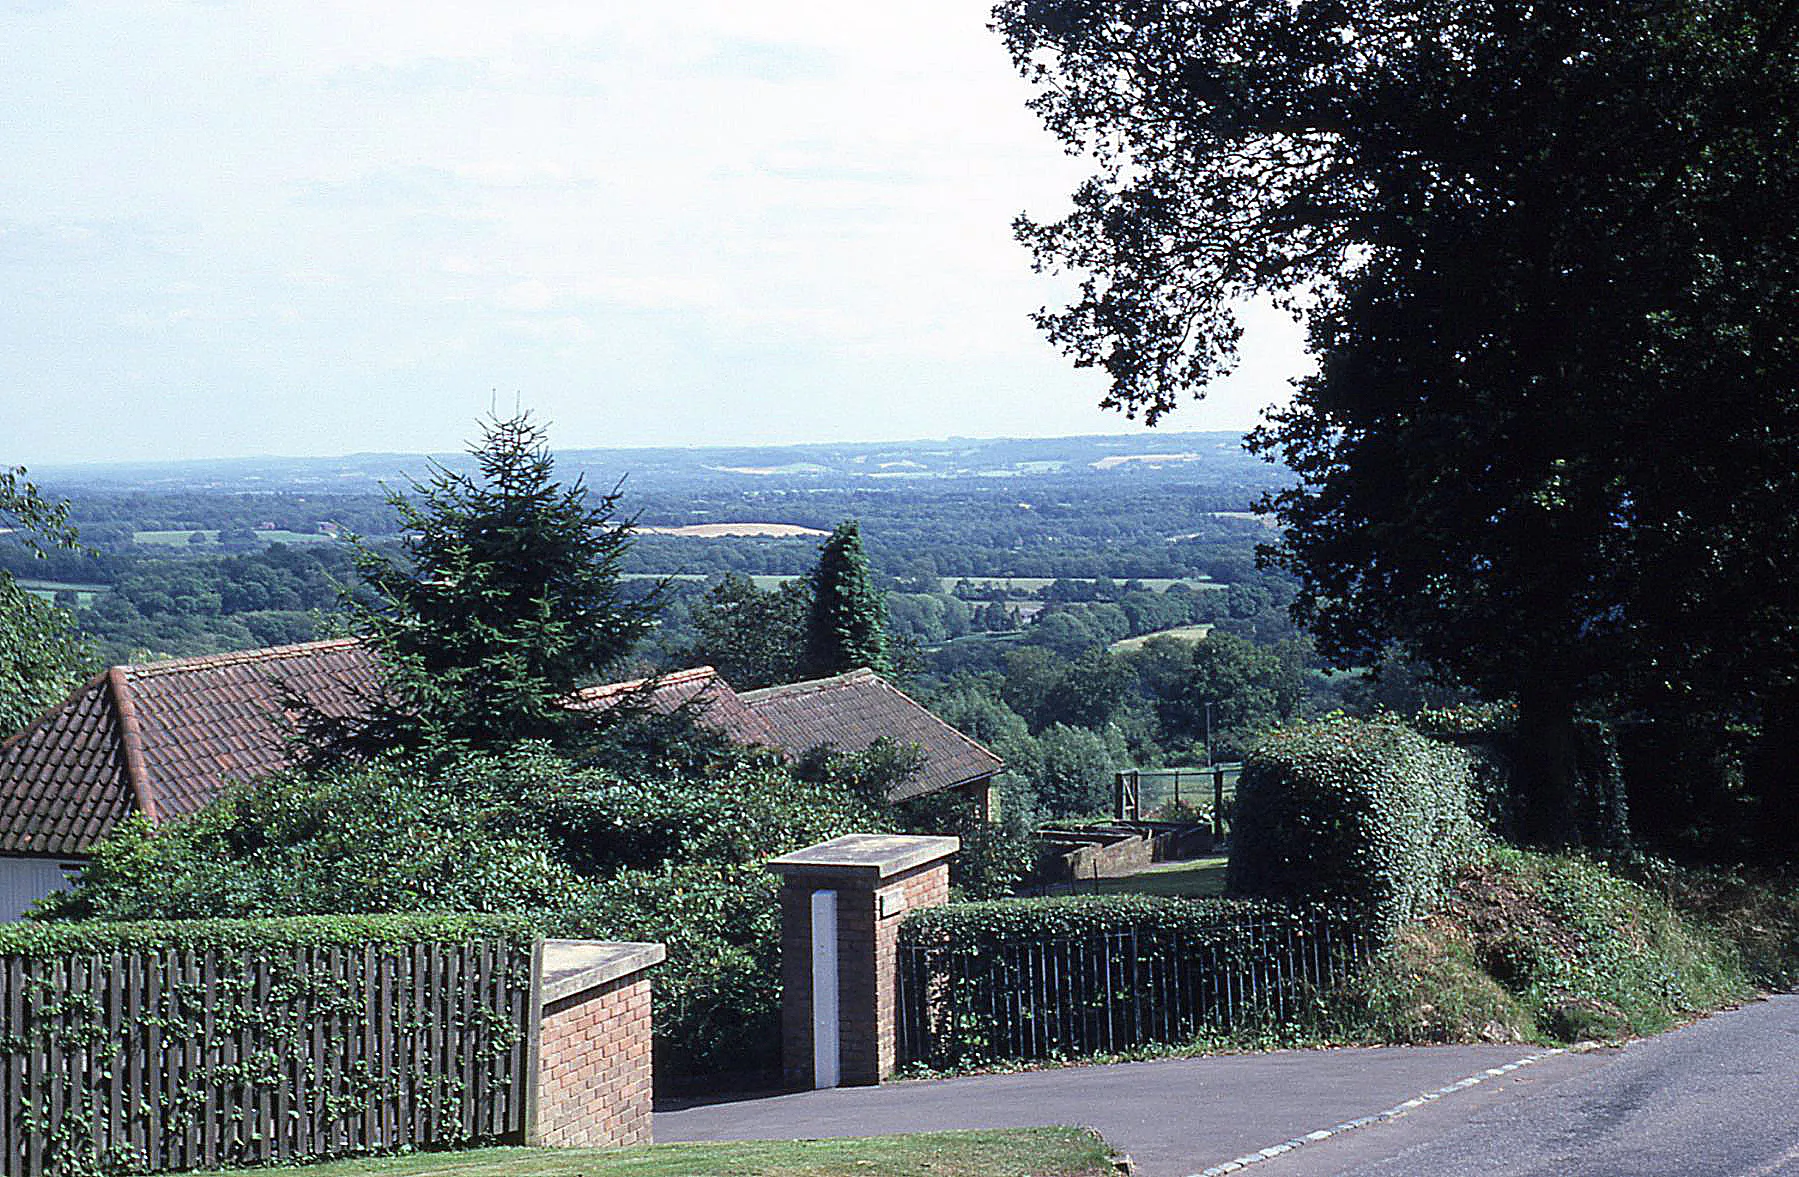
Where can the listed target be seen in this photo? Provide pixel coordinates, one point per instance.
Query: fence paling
(182, 1059)
(1110, 991)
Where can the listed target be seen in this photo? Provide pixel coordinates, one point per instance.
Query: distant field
(1180, 633)
(727, 530)
(48, 589)
(1032, 584)
(177, 538)
(1113, 461)
(760, 581)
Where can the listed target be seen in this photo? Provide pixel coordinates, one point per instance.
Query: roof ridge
(810, 684)
(601, 690)
(233, 658)
(131, 741)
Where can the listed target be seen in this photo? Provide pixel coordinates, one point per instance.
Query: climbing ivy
(135, 1048)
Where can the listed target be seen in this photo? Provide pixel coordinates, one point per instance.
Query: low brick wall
(1109, 852)
(592, 1045)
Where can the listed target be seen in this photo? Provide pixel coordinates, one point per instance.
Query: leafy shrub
(717, 999)
(1076, 771)
(1548, 948)
(1371, 815)
(742, 809)
(376, 838)
(632, 852)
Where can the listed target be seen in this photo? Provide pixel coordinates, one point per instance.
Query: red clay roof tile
(851, 711)
(164, 738)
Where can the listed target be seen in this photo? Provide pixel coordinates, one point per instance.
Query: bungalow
(165, 738)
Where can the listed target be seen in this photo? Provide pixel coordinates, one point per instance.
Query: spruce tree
(507, 598)
(847, 626)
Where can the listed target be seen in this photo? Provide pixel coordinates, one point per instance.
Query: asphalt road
(1173, 1117)
(1719, 1098)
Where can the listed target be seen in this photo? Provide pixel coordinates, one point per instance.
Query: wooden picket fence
(158, 1060)
(1110, 991)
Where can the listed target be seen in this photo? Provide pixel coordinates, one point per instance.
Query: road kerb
(1392, 1113)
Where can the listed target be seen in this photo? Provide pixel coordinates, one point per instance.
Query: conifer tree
(847, 626)
(506, 600)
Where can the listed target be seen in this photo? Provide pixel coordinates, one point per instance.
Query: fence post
(588, 1058)
(841, 905)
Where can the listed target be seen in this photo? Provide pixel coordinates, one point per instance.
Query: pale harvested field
(727, 530)
(1180, 633)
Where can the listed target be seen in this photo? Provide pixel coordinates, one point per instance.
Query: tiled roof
(63, 783)
(851, 711)
(710, 698)
(163, 739)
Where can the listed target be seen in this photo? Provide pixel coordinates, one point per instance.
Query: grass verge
(1544, 948)
(1022, 1152)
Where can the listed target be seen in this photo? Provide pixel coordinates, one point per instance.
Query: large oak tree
(1548, 258)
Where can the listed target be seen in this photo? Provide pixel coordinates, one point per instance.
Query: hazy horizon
(312, 229)
(1140, 434)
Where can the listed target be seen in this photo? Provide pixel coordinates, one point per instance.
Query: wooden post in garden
(841, 906)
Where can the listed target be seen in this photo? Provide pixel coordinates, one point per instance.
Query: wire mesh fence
(1141, 794)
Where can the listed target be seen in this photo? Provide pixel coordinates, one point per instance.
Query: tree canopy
(751, 636)
(42, 653)
(1547, 255)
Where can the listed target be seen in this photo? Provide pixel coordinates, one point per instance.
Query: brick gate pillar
(588, 1044)
(841, 905)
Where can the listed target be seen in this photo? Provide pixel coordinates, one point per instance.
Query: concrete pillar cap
(864, 857)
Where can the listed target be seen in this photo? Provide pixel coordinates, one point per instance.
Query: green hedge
(1371, 816)
(44, 940)
(1011, 921)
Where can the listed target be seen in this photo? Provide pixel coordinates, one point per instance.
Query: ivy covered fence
(152, 1047)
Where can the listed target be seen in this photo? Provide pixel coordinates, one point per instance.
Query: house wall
(23, 881)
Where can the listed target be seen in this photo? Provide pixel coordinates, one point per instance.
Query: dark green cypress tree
(848, 624)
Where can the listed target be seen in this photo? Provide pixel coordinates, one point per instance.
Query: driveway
(1174, 1117)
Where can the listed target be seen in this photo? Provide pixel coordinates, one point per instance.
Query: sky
(322, 228)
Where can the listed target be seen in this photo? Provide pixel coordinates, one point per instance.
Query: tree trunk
(1546, 767)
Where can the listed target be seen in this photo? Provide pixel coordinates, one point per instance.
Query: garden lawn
(1036, 1152)
(1195, 878)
